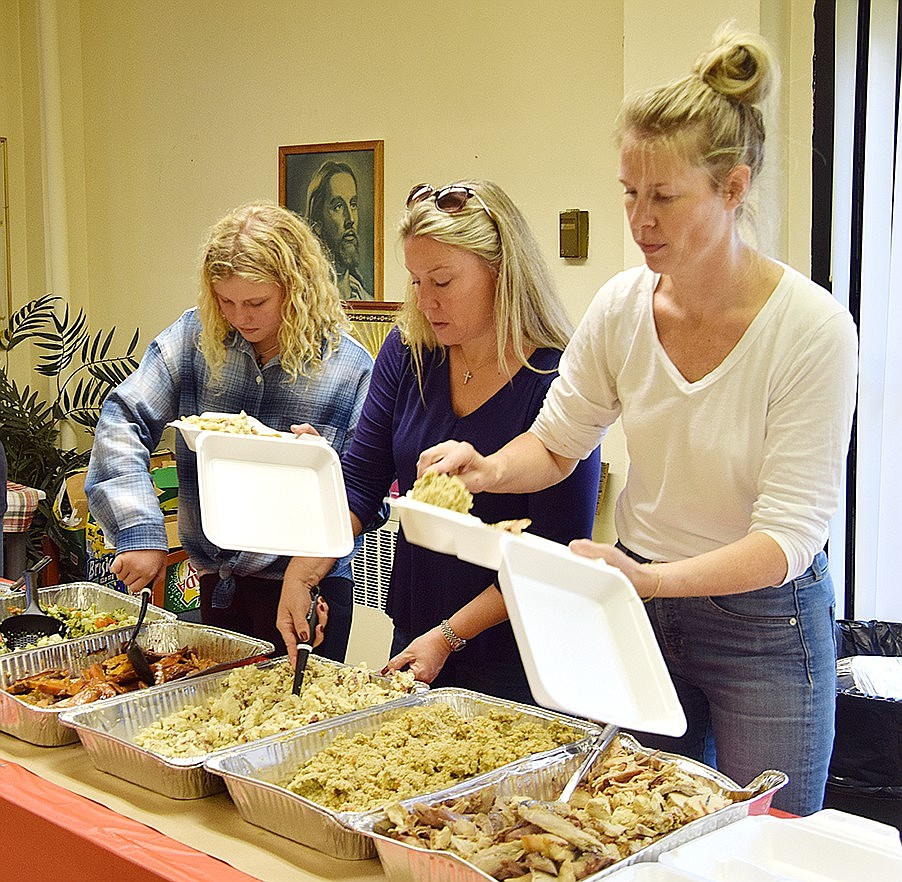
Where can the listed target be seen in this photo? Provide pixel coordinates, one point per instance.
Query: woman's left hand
(304, 429)
(644, 579)
(425, 656)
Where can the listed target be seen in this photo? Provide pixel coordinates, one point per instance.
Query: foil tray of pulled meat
(633, 805)
(38, 685)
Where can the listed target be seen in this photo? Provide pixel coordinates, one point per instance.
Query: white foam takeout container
(584, 636)
(281, 495)
(828, 846)
(190, 431)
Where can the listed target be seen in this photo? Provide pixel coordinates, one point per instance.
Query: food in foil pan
(627, 801)
(58, 687)
(422, 750)
(258, 702)
(233, 423)
(445, 491)
(79, 622)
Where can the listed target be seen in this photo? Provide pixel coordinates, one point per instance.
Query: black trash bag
(868, 638)
(866, 767)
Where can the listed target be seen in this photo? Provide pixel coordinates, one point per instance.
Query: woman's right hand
(462, 459)
(301, 575)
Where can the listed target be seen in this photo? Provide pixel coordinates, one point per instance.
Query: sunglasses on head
(450, 199)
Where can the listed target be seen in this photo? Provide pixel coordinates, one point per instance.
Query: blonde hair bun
(739, 65)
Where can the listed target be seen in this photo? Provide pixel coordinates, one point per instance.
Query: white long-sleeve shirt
(756, 445)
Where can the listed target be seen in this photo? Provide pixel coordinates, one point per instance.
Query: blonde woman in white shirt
(734, 377)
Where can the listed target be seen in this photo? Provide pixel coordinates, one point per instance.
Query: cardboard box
(81, 540)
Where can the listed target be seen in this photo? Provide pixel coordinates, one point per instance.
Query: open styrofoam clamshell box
(584, 637)
(190, 431)
(281, 495)
(828, 846)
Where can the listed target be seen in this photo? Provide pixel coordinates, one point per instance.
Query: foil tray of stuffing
(161, 738)
(384, 751)
(99, 600)
(632, 806)
(42, 725)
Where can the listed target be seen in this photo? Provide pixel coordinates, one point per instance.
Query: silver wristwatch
(457, 643)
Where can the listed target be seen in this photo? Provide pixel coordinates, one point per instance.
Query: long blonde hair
(713, 115)
(528, 310)
(264, 242)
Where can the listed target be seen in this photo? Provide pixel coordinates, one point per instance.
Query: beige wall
(169, 114)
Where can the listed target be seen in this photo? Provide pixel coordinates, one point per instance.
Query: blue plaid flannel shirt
(173, 380)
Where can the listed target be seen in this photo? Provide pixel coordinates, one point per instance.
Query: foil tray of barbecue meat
(38, 685)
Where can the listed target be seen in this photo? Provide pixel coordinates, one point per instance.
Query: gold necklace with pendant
(468, 373)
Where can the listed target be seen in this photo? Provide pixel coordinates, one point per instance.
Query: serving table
(64, 819)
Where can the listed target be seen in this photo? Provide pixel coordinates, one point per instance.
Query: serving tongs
(763, 787)
(602, 742)
(30, 625)
(304, 649)
(133, 652)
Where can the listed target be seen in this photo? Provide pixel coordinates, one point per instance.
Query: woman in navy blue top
(476, 347)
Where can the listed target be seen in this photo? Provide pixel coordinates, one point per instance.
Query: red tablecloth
(52, 833)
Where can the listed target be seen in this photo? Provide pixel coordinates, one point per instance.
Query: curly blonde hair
(528, 310)
(714, 114)
(264, 242)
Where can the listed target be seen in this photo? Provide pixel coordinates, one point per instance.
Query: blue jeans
(757, 671)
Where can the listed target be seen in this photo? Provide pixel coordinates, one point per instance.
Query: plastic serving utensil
(29, 626)
(304, 649)
(228, 665)
(134, 652)
(602, 743)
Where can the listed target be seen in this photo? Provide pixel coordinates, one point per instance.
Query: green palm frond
(28, 320)
(114, 370)
(62, 346)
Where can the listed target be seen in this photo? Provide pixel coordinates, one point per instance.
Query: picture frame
(371, 321)
(6, 292)
(338, 188)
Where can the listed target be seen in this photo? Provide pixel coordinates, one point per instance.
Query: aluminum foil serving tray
(254, 774)
(543, 778)
(42, 725)
(81, 595)
(108, 730)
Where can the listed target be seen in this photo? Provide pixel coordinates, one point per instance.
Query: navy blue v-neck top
(426, 587)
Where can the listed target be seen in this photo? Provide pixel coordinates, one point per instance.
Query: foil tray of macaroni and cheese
(42, 725)
(257, 775)
(115, 731)
(542, 779)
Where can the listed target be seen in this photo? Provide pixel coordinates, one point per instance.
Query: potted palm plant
(83, 369)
